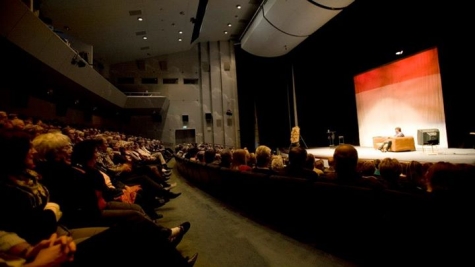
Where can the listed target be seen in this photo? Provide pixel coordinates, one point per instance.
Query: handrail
(142, 93)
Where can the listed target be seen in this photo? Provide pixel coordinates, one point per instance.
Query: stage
(435, 154)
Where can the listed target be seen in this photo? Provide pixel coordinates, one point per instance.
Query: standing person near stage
(385, 146)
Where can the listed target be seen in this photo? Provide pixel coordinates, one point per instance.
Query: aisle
(224, 238)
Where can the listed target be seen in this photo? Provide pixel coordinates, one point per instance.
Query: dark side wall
(362, 37)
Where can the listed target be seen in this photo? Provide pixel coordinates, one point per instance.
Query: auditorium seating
(325, 210)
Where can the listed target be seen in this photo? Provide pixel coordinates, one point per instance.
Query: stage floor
(454, 155)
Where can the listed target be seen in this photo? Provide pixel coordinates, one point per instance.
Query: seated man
(385, 146)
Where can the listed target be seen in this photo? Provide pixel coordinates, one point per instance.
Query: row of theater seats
(340, 216)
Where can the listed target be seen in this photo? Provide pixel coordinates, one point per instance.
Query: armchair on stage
(399, 144)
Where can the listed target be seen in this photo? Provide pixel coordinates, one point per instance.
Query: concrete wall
(213, 66)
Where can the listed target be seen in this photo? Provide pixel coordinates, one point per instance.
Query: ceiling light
(225, 32)
(179, 40)
(229, 25)
(145, 38)
(180, 32)
(140, 19)
(238, 6)
(399, 52)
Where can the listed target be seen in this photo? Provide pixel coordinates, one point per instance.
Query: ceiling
(113, 29)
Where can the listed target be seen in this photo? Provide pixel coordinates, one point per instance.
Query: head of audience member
(102, 143)
(226, 158)
(310, 161)
(239, 158)
(251, 159)
(390, 171)
(85, 154)
(18, 153)
(18, 123)
(33, 130)
(263, 156)
(345, 160)
(277, 163)
(191, 153)
(209, 155)
(319, 164)
(53, 147)
(367, 168)
(415, 175)
(297, 157)
(200, 156)
(3, 115)
(440, 177)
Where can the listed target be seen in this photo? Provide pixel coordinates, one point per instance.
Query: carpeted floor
(224, 237)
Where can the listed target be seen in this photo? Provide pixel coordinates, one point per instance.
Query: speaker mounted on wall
(208, 117)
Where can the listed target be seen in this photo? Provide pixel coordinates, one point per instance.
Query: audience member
(345, 159)
(28, 212)
(239, 160)
(263, 160)
(297, 165)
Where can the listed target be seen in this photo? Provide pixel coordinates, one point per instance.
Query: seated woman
(28, 212)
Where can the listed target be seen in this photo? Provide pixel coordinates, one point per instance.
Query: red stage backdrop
(405, 93)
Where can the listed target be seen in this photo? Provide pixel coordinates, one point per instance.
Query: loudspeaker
(208, 116)
(184, 118)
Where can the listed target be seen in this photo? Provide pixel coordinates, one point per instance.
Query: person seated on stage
(345, 159)
(385, 146)
(297, 163)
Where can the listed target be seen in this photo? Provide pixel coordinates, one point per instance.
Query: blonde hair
(48, 144)
(277, 163)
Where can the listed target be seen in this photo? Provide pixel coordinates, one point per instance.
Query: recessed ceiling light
(140, 19)
(225, 32)
(229, 25)
(145, 38)
(179, 40)
(238, 6)
(399, 52)
(180, 32)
